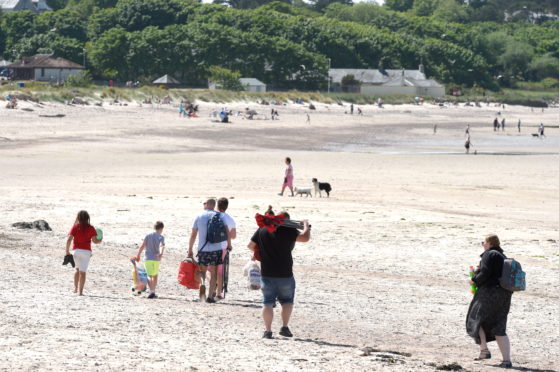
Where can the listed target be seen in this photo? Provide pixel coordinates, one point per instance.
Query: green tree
(452, 11)
(225, 78)
(67, 23)
(399, 5)
(57, 4)
(17, 26)
(516, 57)
(545, 66)
(109, 53)
(320, 5)
(425, 8)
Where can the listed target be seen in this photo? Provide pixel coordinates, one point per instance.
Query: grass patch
(44, 92)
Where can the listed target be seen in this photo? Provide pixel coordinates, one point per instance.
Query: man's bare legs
(286, 311)
(268, 316)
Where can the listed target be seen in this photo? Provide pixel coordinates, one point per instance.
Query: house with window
(37, 6)
(45, 67)
(385, 82)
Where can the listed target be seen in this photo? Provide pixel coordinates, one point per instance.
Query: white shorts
(81, 258)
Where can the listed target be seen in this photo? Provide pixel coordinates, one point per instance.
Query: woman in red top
(82, 233)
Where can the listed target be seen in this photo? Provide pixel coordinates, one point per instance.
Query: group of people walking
(275, 248)
(487, 315)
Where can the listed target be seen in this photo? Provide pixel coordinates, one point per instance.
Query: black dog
(319, 186)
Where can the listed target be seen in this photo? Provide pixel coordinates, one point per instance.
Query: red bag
(189, 274)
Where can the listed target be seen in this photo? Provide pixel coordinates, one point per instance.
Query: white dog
(303, 190)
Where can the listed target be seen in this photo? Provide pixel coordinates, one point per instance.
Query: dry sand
(386, 267)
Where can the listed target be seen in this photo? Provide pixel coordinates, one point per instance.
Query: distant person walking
(351, 109)
(435, 129)
(519, 124)
(541, 130)
(308, 119)
(467, 145)
(81, 234)
(278, 282)
(503, 124)
(468, 131)
(495, 125)
(487, 316)
(288, 177)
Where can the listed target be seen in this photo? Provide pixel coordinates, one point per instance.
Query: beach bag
(513, 278)
(139, 277)
(217, 232)
(254, 277)
(189, 274)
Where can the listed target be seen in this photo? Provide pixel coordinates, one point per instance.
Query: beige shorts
(81, 258)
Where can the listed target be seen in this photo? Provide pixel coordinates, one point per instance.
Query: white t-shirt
(230, 223)
(201, 224)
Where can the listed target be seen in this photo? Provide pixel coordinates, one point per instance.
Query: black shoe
(210, 300)
(285, 332)
(152, 295)
(268, 335)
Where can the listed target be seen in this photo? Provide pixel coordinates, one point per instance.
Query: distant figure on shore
(495, 125)
(435, 129)
(278, 282)
(351, 109)
(487, 316)
(359, 111)
(81, 234)
(308, 121)
(503, 124)
(288, 178)
(468, 131)
(519, 124)
(467, 145)
(541, 130)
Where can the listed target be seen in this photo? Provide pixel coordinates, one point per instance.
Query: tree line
(291, 45)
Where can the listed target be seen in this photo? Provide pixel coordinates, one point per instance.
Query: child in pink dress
(288, 179)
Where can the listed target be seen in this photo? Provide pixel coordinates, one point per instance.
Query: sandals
(484, 354)
(505, 364)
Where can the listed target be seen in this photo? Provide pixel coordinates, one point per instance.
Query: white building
(388, 82)
(37, 6)
(253, 85)
(45, 67)
(249, 84)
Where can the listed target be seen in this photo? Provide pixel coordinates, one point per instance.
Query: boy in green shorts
(152, 243)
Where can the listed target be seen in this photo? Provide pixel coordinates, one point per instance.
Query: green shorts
(152, 267)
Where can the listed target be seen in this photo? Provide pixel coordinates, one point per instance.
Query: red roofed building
(45, 67)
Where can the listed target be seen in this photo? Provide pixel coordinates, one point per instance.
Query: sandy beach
(386, 267)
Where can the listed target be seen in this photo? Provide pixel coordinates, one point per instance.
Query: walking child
(154, 245)
(82, 234)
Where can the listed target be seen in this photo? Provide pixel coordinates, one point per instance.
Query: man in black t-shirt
(277, 271)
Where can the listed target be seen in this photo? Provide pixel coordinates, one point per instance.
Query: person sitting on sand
(288, 179)
(82, 234)
(277, 271)
(152, 257)
(487, 316)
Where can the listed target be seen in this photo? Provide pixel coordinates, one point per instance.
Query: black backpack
(217, 232)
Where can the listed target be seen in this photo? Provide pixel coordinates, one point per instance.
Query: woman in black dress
(487, 315)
